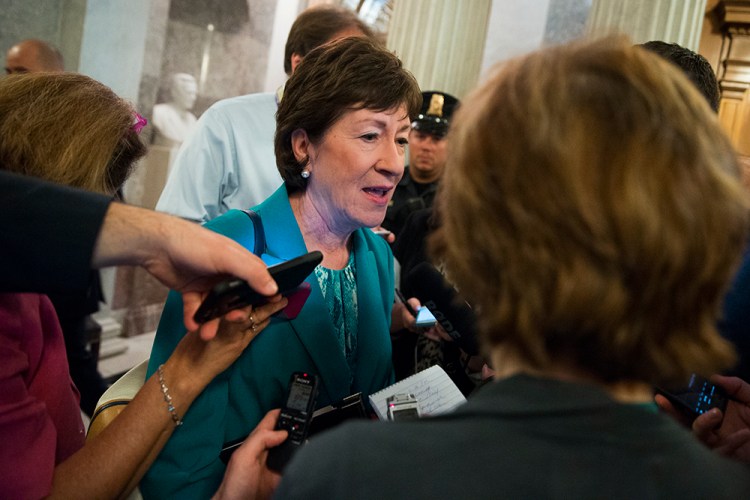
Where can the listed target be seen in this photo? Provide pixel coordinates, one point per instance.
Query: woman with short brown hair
(592, 214)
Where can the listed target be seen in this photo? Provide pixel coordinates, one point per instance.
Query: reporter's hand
(195, 259)
(196, 361)
(180, 254)
(405, 318)
(247, 475)
(727, 434)
(709, 428)
(401, 318)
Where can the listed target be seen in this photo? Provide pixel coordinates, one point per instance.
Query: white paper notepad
(435, 392)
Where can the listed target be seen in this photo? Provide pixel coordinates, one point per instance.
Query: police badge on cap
(435, 115)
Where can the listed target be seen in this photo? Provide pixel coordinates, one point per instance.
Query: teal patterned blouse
(340, 293)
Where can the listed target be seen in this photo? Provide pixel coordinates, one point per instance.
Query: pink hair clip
(138, 122)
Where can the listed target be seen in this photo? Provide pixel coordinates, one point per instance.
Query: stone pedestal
(112, 343)
(139, 295)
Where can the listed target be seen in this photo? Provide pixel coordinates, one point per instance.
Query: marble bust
(173, 120)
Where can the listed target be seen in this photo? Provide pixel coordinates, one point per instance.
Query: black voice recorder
(295, 418)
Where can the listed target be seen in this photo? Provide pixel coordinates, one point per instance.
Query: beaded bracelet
(168, 398)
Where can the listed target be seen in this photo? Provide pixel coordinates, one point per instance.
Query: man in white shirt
(227, 161)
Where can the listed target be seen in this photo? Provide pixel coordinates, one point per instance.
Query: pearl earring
(305, 174)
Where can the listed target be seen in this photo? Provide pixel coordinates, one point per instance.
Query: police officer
(427, 153)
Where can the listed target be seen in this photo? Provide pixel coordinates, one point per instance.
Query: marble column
(440, 41)
(677, 21)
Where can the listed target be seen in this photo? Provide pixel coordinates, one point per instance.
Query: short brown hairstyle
(316, 26)
(592, 212)
(344, 75)
(67, 128)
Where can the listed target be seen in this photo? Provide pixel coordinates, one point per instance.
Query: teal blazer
(232, 405)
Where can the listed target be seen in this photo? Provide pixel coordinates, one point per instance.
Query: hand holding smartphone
(423, 317)
(295, 418)
(697, 397)
(236, 293)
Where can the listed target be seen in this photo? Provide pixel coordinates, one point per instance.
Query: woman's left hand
(204, 359)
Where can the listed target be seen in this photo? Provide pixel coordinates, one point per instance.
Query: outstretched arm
(113, 463)
(181, 254)
(52, 235)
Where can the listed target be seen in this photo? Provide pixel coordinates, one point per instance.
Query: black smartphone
(697, 397)
(236, 293)
(295, 418)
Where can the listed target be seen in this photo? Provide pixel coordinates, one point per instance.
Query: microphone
(453, 313)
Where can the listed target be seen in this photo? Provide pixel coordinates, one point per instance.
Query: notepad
(435, 392)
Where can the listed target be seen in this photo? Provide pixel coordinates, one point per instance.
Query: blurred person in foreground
(592, 212)
(728, 434)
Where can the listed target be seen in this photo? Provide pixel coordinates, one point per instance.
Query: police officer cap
(435, 115)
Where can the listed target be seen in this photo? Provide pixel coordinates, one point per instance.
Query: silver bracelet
(168, 398)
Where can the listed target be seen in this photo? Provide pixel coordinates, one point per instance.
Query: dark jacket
(47, 234)
(521, 437)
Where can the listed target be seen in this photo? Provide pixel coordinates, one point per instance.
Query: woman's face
(356, 166)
